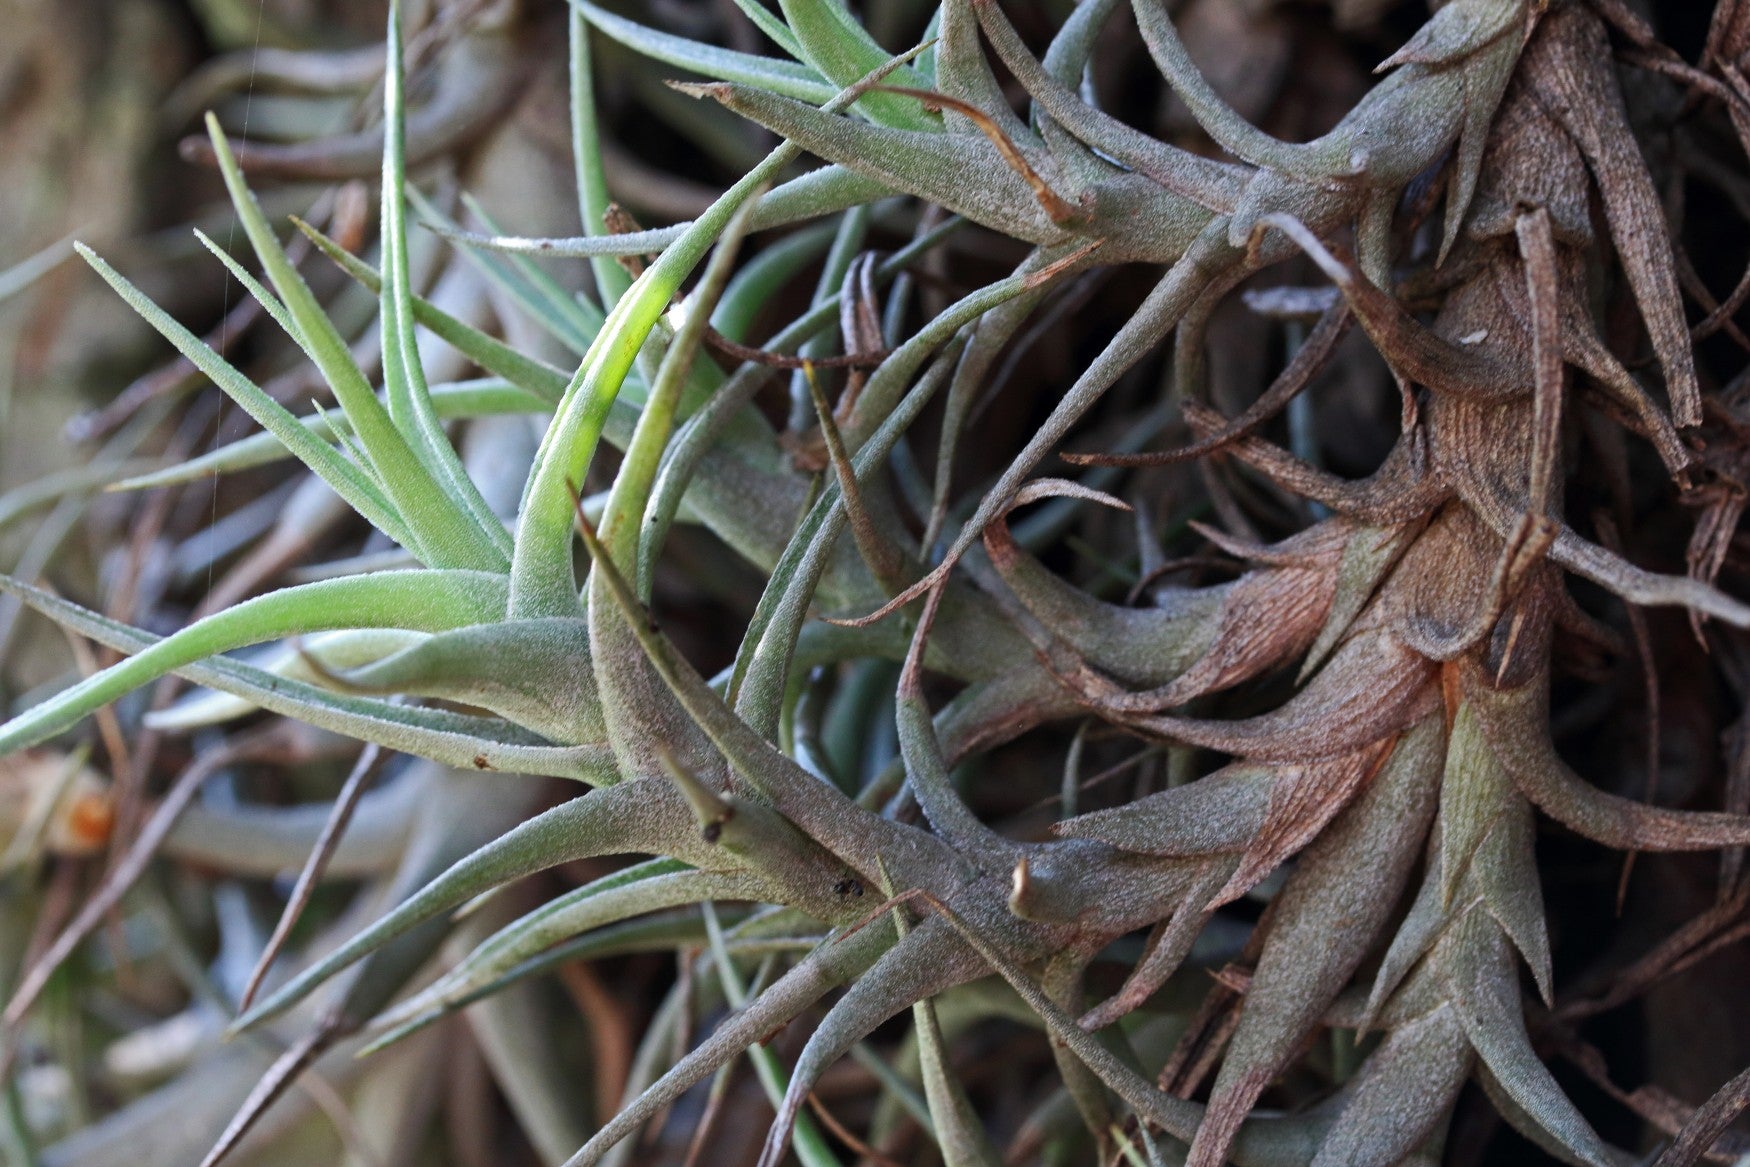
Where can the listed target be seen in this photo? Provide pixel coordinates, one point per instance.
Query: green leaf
(811, 1145)
(570, 319)
(443, 533)
(542, 582)
(356, 486)
(825, 190)
(629, 817)
(484, 397)
(60, 484)
(32, 268)
(647, 887)
(429, 601)
(1404, 1091)
(276, 310)
(611, 280)
(532, 672)
(309, 660)
(409, 398)
(842, 51)
(762, 663)
(1485, 988)
(793, 80)
(963, 172)
(455, 739)
(490, 353)
(774, 28)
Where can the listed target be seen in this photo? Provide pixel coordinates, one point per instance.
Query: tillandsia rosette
(1326, 775)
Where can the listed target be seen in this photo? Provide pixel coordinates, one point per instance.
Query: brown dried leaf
(1516, 724)
(1570, 66)
(1400, 491)
(1303, 799)
(1373, 688)
(1323, 924)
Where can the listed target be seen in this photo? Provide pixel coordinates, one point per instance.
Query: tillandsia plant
(1334, 764)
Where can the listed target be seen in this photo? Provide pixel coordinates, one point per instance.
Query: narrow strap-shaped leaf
(752, 288)
(811, 1145)
(620, 527)
(847, 244)
(663, 932)
(532, 672)
(837, 46)
(927, 774)
(1273, 1143)
(353, 484)
(309, 659)
(763, 20)
(816, 975)
(570, 317)
(1372, 688)
(484, 397)
(963, 72)
(1210, 183)
(966, 174)
(640, 715)
(855, 836)
(1485, 80)
(1472, 796)
(688, 452)
(455, 739)
(959, 1134)
(490, 353)
(630, 815)
(647, 887)
(270, 302)
(1405, 1089)
(32, 268)
(611, 280)
(542, 583)
(446, 535)
(1150, 323)
(793, 80)
(1578, 86)
(770, 640)
(1516, 722)
(1505, 870)
(1486, 1000)
(1218, 119)
(825, 190)
(1416, 934)
(1218, 812)
(426, 601)
(927, 960)
(409, 397)
(648, 730)
(1147, 646)
(1327, 916)
(1072, 48)
(57, 485)
(953, 1119)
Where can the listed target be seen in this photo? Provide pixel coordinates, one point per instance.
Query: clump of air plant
(1418, 616)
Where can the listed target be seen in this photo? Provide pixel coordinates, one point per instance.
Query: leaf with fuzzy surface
(633, 816)
(425, 601)
(786, 77)
(456, 739)
(445, 534)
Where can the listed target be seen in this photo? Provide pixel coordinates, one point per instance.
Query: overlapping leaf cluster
(1384, 805)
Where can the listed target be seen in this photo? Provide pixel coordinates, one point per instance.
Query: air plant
(1400, 643)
